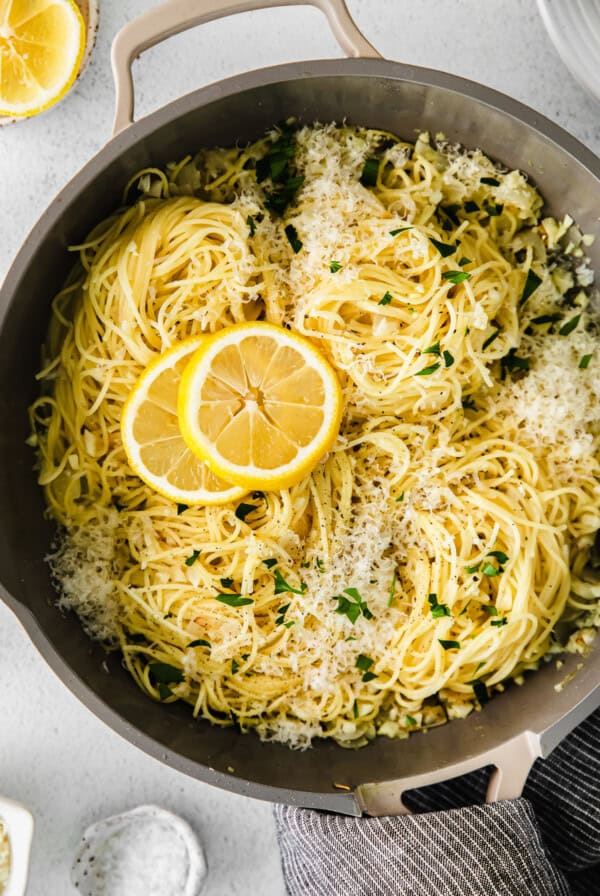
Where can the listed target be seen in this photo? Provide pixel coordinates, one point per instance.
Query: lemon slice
(153, 443)
(41, 48)
(260, 405)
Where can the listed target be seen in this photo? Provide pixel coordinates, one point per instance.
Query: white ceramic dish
(18, 823)
(574, 29)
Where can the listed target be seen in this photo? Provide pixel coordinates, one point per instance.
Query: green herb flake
(490, 609)
(400, 498)
(470, 206)
(449, 645)
(547, 319)
(473, 569)
(181, 508)
(304, 565)
(363, 662)
(293, 239)
(399, 230)
(281, 614)
(532, 282)
(369, 676)
(352, 605)
(335, 266)
(289, 624)
(355, 709)
(200, 642)
(234, 667)
(465, 608)
(385, 299)
(464, 261)
(392, 590)
(512, 362)
(491, 338)
(410, 720)
(234, 600)
(319, 564)
(242, 510)
(192, 558)
(443, 248)
(283, 587)
(481, 691)
(226, 582)
(437, 610)
(164, 675)
(569, 326)
(500, 556)
(270, 562)
(370, 172)
(427, 371)
(468, 404)
(493, 209)
(488, 569)
(502, 621)
(490, 181)
(583, 364)
(448, 358)
(455, 277)
(251, 225)
(432, 350)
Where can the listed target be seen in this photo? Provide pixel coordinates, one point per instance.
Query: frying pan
(519, 724)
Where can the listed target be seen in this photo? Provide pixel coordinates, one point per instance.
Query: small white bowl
(18, 824)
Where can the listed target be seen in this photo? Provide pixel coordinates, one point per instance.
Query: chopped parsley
(443, 248)
(352, 605)
(500, 556)
(385, 299)
(392, 590)
(165, 675)
(355, 709)
(547, 319)
(488, 569)
(226, 582)
(293, 239)
(304, 565)
(192, 558)
(583, 364)
(470, 206)
(251, 224)
(234, 667)
(473, 569)
(490, 181)
(493, 209)
(490, 609)
(242, 510)
(234, 600)
(569, 326)
(455, 277)
(370, 173)
(275, 165)
(410, 720)
(283, 587)
(281, 617)
(468, 404)
(319, 565)
(501, 621)
(399, 230)
(532, 282)
(449, 645)
(181, 508)
(491, 338)
(464, 260)
(400, 498)
(437, 610)
(512, 362)
(432, 350)
(335, 266)
(427, 371)
(481, 691)
(200, 642)
(270, 562)
(448, 358)
(364, 663)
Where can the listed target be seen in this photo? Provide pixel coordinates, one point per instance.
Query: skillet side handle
(175, 16)
(512, 763)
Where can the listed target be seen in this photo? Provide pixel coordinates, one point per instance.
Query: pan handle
(512, 763)
(175, 16)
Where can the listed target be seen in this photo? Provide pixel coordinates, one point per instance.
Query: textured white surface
(54, 755)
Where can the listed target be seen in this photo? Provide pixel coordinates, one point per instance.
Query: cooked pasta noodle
(432, 553)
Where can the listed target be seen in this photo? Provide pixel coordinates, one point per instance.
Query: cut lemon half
(260, 405)
(41, 48)
(153, 442)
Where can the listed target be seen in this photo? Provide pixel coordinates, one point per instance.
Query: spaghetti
(432, 553)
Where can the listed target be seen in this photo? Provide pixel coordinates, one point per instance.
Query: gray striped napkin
(545, 844)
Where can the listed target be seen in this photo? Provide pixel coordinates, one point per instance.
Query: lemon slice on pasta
(260, 405)
(41, 49)
(153, 442)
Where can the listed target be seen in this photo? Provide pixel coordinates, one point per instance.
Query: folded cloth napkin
(545, 844)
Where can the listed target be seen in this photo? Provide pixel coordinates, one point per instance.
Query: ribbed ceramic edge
(574, 29)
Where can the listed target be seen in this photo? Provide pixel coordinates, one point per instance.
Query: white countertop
(54, 755)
